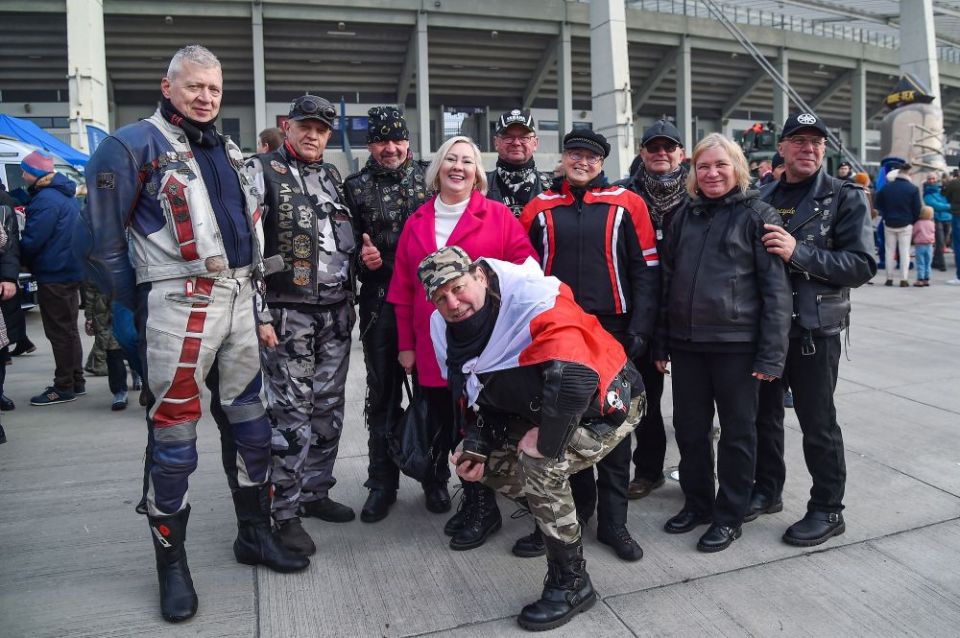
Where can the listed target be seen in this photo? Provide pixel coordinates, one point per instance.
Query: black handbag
(413, 440)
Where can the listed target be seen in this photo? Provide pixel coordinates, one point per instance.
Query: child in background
(924, 236)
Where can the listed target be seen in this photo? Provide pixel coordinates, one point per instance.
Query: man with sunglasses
(598, 239)
(172, 230)
(827, 243)
(516, 180)
(382, 195)
(305, 335)
(659, 177)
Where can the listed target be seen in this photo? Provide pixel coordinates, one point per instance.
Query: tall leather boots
(567, 589)
(178, 599)
(257, 542)
(481, 517)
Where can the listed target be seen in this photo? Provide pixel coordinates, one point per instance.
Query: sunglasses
(309, 105)
(669, 147)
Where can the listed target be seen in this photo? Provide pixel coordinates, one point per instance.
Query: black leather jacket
(381, 200)
(721, 286)
(834, 253)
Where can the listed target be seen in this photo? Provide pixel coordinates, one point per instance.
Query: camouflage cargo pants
(544, 483)
(306, 379)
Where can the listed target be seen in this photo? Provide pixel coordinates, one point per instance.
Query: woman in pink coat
(459, 215)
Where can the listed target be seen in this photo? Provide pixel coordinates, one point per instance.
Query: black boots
(178, 599)
(567, 589)
(481, 517)
(257, 543)
(530, 546)
(377, 505)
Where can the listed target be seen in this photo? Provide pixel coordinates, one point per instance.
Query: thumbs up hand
(369, 254)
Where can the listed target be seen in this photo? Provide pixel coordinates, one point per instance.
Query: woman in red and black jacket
(598, 239)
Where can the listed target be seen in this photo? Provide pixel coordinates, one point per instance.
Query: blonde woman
(727, 306)
(458, 215)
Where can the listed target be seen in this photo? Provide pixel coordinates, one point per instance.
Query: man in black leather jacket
(827, 244)
(382, 196)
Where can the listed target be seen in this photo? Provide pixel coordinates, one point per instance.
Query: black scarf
(600, 181)
(516, 181)
(465, 340)
(665, 191)
(200, 133)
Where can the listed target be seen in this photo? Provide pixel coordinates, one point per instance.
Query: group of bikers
(538, 316)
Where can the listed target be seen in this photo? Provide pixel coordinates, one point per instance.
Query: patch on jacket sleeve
(106, 180)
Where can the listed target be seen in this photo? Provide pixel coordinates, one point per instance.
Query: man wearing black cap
(516, 179)
(386, 191)
(306, 332)
(827, 244)
(658, 176)
(845, 171)
(599, 240)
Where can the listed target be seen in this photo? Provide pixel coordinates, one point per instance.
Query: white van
(13, 151)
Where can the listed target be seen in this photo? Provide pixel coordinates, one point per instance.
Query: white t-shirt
(447, 217)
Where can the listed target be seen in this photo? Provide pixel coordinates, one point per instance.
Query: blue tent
(27, 131)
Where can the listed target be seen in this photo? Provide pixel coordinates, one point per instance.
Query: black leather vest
(381, 201)
(291, 230)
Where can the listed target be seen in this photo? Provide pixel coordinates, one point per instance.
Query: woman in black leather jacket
(724, 323)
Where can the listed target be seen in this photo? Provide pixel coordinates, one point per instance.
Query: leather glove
(636, 346)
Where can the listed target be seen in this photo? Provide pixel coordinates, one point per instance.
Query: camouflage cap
(443, 266)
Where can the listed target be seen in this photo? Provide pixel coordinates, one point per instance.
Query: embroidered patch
(278, 167)
(301, 246)
(301, 273)
(107, 180)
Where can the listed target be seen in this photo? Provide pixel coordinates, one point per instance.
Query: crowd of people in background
(202, 267)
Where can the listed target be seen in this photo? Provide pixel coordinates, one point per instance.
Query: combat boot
(530, 546)
(481, 519)
(456, 522)
(567, 589)
(178, 598)
(257, 542)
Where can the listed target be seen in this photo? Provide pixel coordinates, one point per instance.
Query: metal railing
(796, 24)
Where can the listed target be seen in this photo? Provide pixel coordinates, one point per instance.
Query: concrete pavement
(75, 560)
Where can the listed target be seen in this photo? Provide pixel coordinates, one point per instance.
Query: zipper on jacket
(696, 272)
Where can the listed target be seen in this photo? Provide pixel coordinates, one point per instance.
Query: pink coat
(924, 232)
(486, 229)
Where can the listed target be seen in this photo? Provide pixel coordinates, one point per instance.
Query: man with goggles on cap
(305, 334)
(172, 230)
(543, 392)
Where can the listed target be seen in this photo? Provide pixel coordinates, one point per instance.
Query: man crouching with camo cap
(541, 392)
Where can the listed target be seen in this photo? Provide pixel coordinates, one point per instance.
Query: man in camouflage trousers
(306, 332)
(98, 324)
(543, 391)
(382, 195)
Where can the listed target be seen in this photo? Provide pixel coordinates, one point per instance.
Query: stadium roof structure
(496, 54)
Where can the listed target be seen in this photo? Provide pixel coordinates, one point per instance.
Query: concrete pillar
(684, 119)
(918, 43)
(564, 85)
(610, 83)
(259, 73)
(423, 87)
(781, 100)
(86, 70)
(858, 111)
